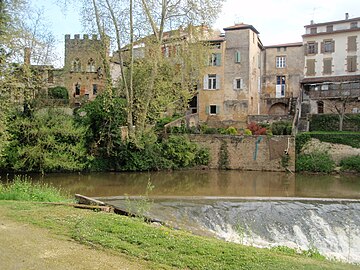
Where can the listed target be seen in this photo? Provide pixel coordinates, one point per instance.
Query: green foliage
(315, 162)
(103, 119)
(330, 122)
(347, 138)
(351, 163)
(300, 140)
(58, 92)
(281, 128)
(224, 156)
(46, 142)
(247, 132)
(22, 189)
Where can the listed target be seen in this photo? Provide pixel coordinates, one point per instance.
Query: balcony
(330, 94)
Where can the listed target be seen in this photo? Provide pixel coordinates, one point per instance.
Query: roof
(331, 79)
(332, 32)
(241, 26)
(295, 44)
(333, 22)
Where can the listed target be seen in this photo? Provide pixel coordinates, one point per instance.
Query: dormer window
(353, 25)
(313, 30)
(329, 28)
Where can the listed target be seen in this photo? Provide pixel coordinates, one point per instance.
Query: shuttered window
(327, 66)
(310, 67)
(328, 46)
(237, 57)
(211, 82)
(212, 109)
(238, 84)
(351, 63)
(215, 59)
(351, 44)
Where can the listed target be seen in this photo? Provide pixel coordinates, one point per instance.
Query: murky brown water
(208, 183)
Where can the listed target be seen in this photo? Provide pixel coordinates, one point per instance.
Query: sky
(278, 21)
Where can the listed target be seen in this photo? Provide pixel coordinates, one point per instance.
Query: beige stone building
(282, 72)
(331, 73)
(231, 84)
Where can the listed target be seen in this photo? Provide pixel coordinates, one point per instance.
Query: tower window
(76, 65)
(91, 65)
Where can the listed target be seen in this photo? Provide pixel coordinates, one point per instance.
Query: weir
(331, 226)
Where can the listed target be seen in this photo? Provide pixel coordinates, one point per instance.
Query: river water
(262, 209)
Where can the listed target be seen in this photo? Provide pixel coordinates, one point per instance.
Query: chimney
(312, 22)
(27, 54)
(346, 16)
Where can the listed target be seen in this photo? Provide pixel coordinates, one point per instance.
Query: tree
(164, 82)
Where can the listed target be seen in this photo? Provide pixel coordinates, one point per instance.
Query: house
(231, 84)
(331, 75)
(282, 72)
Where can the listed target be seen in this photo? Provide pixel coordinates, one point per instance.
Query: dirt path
(23, 246)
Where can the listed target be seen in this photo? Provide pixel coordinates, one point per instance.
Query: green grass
(351, 163)
(160, 246)
(22, 189)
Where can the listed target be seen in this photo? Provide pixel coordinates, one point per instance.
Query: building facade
(230, 86)
(282, 72)
(331, 75)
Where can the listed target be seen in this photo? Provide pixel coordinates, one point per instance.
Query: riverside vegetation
(161, 247)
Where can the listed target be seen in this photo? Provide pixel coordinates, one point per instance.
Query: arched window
(76, 65)
(91, 65)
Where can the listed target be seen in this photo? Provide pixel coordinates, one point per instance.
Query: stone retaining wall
(256, 153)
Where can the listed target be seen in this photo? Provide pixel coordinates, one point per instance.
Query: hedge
(330, 122)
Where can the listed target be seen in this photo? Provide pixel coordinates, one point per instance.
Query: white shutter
(206, 82)
(278, 91)
(241, 83)
(217, 82)
(234, 84)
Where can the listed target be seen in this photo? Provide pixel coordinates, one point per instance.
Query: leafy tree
(47, 141)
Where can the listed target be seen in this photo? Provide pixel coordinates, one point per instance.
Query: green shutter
(207, 110)
(217, 109)
(218, 59)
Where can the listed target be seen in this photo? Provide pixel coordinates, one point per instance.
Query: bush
(347, 138)
(247, 132)
(315, 162)
(330, 122)
(22, 189)
(351, 163)
(300, 140)
(256, 129)
(281, 128)
(58, 92)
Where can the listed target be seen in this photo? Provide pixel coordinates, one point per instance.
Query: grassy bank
(162, 247)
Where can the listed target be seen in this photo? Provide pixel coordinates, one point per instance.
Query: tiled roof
(295, 44)
(241, 26)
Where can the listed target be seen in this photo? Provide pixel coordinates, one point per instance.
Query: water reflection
(207, 183)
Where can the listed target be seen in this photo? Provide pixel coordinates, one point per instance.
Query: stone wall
(255, 153)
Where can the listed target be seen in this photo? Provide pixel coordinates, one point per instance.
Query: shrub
(22, 189)
(315, 162)
(347, 138)
(281, 128)
(247, 132)
(256, 129)
(330, 122)
(351, 163)
(300, 140)
(58, 92)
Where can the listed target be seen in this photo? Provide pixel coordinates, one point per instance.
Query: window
(215, 45)
(280, 86)
(313, 30)
(238, 84)
(95, 89)
(237, 57)
(312, 48)
(77, 89)
(310, 67)
(76, 65)
(327, 66)
(351, 63)
(329, 28)
(351, 44)
(213, 109)
(280, 61)
(278, 49)
(91, 65)
(215, 59)
(211, 82)
(327, 46)
(320, 107)
(353, 25)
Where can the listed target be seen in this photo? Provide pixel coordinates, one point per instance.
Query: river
(263, 209)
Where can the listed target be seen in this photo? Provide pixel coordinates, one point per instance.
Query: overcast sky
(278, 21)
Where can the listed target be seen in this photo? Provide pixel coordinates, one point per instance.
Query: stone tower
(83, 70)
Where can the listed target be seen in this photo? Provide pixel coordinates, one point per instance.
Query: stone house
(331, 74)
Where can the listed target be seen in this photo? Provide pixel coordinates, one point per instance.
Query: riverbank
(153, 247)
